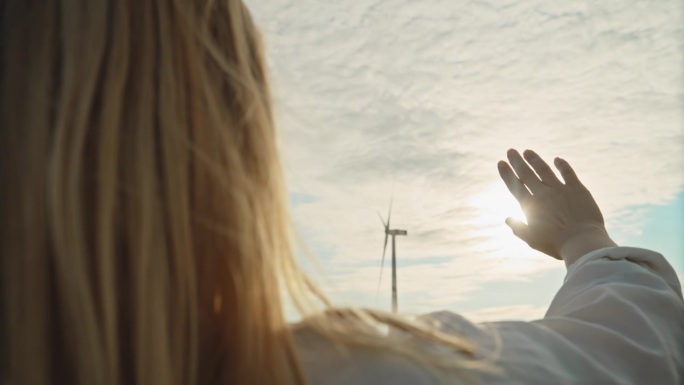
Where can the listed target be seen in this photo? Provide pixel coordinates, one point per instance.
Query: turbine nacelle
(395, 232)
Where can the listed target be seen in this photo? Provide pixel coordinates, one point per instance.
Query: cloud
(421, 99)
(501, 313)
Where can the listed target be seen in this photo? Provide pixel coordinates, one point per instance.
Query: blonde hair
(145, 234)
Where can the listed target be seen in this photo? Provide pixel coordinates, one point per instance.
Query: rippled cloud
(421, 99)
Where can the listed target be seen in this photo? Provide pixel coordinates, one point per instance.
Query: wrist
(583, 241)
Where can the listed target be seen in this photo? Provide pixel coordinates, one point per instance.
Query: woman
(145, 235)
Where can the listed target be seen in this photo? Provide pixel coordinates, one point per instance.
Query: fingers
(566, 171)
(525, 173)
(515, 186)
(520, 229)
(548, 177)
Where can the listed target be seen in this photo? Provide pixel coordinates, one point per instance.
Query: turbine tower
(393, 233)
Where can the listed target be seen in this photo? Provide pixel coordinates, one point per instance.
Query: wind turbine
(393, 233)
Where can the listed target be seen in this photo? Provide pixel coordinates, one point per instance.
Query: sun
(495, 204)
(492, 206)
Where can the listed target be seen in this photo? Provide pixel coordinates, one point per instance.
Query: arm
(618, 319)
(564, 221)
(618, 316)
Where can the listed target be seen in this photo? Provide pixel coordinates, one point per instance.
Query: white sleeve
(617, 319)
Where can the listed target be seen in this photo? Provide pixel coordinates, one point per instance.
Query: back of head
(142, 216)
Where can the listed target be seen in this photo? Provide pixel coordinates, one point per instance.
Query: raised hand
(563, 220)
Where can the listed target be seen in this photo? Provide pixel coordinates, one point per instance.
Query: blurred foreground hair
(145, 234)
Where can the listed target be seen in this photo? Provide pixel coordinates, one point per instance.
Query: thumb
(519, 228)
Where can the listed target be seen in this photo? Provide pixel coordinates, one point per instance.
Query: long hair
(145, 233)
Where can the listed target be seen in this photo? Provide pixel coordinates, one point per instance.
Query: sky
(418, 100)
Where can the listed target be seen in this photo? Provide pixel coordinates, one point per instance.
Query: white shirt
(617, 319)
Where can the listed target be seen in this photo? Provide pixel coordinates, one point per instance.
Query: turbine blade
(382, 264)
(382, 220)
(389, 213)
(384, 249)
